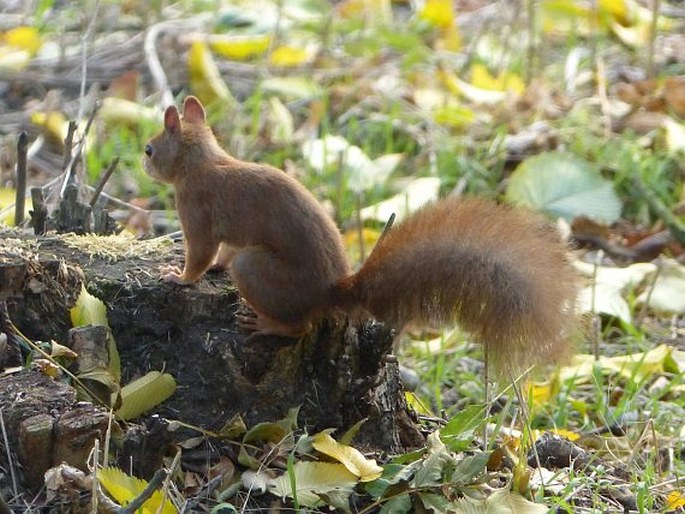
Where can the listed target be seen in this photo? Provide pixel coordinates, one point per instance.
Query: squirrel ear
(193, 112)
(172, 122)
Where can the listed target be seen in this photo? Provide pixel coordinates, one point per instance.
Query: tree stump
(337, 375)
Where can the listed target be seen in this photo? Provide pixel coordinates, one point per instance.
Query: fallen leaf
(351, 458)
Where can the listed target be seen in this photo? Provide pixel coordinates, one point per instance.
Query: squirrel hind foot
(259, 324)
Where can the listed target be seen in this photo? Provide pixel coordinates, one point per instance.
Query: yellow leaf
(144, 393)
(439, 13)
(415, 403)
(369, 237)
(205, 80)
(448, 40)
(53, 122)
(675, 501)
(25, 38)
(289, 56)
(366, 469)
(88, 310)
(240, 47)
(125, 488)
(8, 197)
(568, 434)
(505, 81)
(312, 479)
(616, 8)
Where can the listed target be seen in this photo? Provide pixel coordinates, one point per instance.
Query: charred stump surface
(338, 375)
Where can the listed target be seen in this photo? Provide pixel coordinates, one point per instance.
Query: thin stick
(103, 180)
(138, 501)
(9, 454)
(84, 57)
(152, 58)
(532, 43)
(643, 310)
(386, 229)
(360, 228)
(68, 169)
(167, 481)
(653, 29)
(20, 202)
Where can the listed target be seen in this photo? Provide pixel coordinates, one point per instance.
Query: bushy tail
(500, 273)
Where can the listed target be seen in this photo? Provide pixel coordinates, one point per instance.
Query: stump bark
(337, 375)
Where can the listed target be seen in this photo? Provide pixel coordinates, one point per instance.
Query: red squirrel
(501, 273)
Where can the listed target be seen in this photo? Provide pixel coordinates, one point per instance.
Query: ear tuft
(193, 112)
(172, 122)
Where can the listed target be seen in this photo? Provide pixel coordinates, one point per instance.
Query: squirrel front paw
(172, 274)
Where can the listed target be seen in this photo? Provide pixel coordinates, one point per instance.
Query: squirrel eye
(148, 150)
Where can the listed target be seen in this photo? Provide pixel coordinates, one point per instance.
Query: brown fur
(499, 272)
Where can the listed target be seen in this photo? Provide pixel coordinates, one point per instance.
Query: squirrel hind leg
(284, 300)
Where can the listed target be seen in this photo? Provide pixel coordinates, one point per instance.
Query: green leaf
(88, 310)
(399, 504)
(563, 185)
(436, 502)
(438, 463)
(143, 394)
(390, 475)
(469, 468)
(99, 383)
(457, 434)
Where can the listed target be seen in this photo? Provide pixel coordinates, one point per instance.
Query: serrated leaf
(279, 432)
(314, 477)
(88, 310)
(377, 488)
(564, 186)
(436, 502)
(400, 504)
(124, 488)
(438, 461)
(100, 386)
(501, 501)
(366, 469)
(144, 393)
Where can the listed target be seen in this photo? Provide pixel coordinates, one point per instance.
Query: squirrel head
(181, 144)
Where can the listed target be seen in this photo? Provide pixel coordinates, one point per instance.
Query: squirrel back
(501, 273)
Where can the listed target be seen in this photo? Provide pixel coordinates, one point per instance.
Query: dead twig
(152, 486)
(6, 442)
(103, 180)
(152, 58)
(22, 146)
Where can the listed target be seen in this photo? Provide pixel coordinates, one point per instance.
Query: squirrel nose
(148, 150)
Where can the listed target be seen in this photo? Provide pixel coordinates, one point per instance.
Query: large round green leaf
(564, 186)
